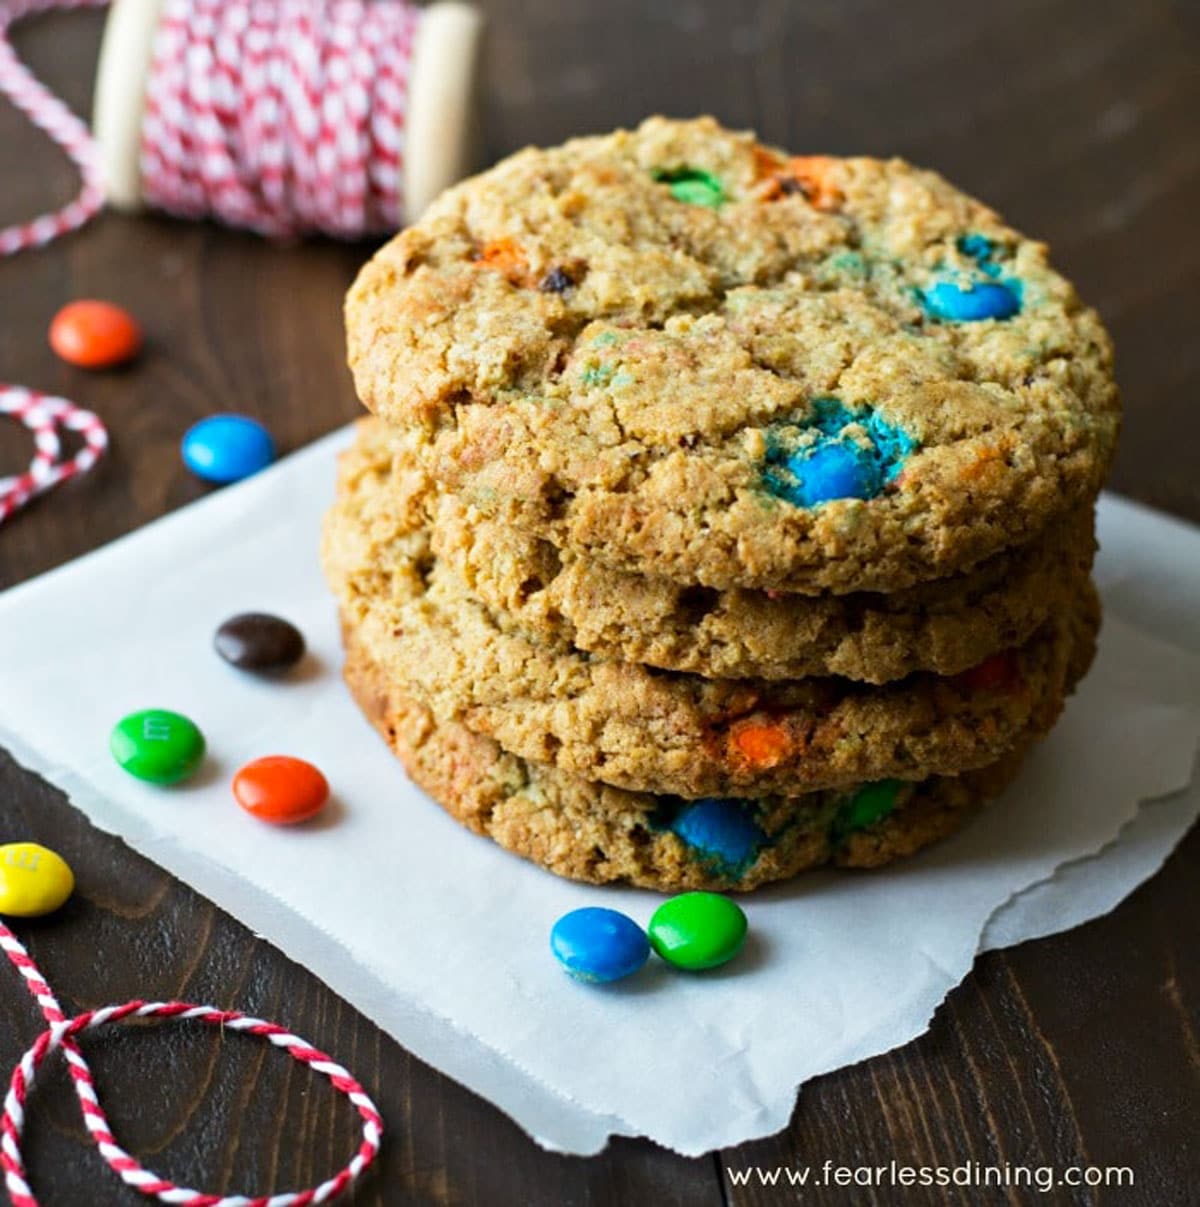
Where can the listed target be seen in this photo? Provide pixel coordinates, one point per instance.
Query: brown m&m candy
(258, 641)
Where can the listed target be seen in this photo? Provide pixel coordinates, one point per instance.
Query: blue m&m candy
(833, 471)
(227, 448)
(721, 831)
(851, 453)
(951, 302)
(599, 945)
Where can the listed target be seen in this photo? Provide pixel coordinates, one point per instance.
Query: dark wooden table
(1078, 119)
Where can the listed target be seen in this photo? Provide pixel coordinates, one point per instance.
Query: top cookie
(685, 354)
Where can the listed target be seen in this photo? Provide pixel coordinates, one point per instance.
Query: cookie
(531, 586)
(556, 597)
(650, 730)
(947, 626)
(690, 356)
(592, 832)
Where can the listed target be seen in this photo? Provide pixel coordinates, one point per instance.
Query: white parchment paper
(442, 938)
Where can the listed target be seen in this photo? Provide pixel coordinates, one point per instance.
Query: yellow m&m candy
(33, 880)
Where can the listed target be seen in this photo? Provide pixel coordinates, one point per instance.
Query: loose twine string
(285, 117)
(46, 416)
(59, 1036)
(42, 414)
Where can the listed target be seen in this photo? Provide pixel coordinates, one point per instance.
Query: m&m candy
(258, 641)
(33, 880)
(280, 789)
(157, 745)
(954, 303)
(693, 186)
(598, 945)
(698, 930)
(95, 335)
(998, 673)
(836, 470)
(871, 803)
(723, 832)
(227, 448)
(835, 452)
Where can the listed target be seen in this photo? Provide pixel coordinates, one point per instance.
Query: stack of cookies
(724, 513)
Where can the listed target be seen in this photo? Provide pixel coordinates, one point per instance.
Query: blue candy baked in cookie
(687, 355)
(835, 452)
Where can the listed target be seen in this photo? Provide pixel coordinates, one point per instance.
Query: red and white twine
(281, 116)
(47, 112)
(60, 1036)
(286, 117)
(45, 416)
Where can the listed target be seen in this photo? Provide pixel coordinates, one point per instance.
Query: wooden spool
(440, 127)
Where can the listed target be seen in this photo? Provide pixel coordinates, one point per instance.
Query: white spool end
(120, 98)
(440, 131)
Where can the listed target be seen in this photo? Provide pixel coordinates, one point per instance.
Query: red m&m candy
(280, 789)
(95, 335)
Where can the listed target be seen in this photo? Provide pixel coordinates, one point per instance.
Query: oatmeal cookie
(690, 356)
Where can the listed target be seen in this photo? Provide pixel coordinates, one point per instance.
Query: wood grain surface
(1078, 119)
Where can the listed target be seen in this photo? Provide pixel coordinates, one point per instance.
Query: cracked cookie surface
(693, 357)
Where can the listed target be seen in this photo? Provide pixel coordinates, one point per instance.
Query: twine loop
(61, 1035)
(46, 416)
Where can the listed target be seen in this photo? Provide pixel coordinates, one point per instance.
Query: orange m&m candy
(95, 335)
(761, 745)
(280, 789)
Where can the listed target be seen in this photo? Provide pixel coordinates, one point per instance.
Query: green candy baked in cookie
(692, 357)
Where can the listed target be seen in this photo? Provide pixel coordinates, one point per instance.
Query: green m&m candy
(157, 745)
(693, 186)
(871, 803)
(697, 930)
